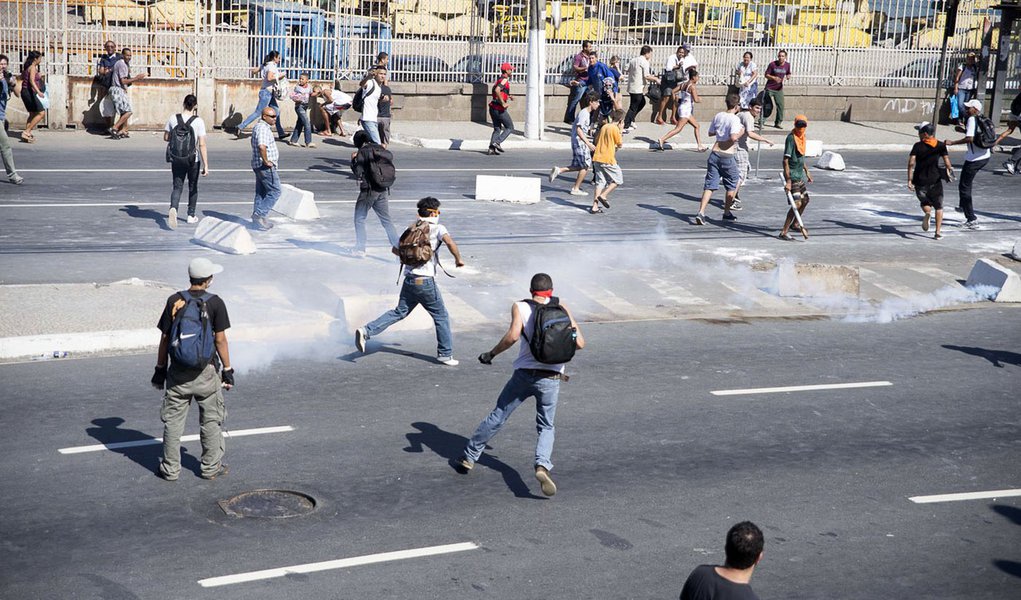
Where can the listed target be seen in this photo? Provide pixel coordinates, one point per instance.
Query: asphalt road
(88, 197)
(652, 469)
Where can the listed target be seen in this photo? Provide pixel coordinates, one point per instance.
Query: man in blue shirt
(8, 86)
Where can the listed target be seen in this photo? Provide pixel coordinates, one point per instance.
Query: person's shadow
(450, 446)
(109, 431)
(136, 212)
(997, 357)
(1010, 567)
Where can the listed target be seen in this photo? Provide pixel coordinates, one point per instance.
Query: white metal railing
(830, 42)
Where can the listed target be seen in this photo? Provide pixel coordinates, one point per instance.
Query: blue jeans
(378, 202)
(962, 97)
(267, 190)
(266, 98)
(521, 386)
(577, 93)
(301, 124)
(371, 128)
(415, 291)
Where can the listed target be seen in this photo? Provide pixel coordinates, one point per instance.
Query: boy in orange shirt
(604, 161)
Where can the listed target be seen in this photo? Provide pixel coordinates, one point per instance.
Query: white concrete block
(814, 280)
(1006, 282)
(357, 310)
(225, 236)
(831, 160)
(519, 190)
(813, 148)
(1016, 252)
(297, 204)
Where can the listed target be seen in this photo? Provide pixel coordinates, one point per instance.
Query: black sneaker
(463, 464)
(499, 148)
(736, 205)
(700, 219)
(222, 470)
(729, 216)
(360, 338)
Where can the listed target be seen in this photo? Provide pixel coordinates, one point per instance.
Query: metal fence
(830, 42)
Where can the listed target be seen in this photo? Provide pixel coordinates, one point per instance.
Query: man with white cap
(925, 178)
(974, 160)
(194, 325)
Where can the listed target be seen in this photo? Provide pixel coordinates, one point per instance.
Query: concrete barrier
(988, 273)
(519, 190)
(297, 204)
(357, 310)
(1016, 252)
(813, 148)
(832, 161)
(225, 236)
(815, 280)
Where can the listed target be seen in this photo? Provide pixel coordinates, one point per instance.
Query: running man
(604, 161)
(581, 146)
(925, 178)
(975, 159)
(722, 162)
(795, 173)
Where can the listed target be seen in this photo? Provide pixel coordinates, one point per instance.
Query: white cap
(200, 268)
(925, 127)
(974, 103)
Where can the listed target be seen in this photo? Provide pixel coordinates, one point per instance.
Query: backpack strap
(193, 117)
(180, 120)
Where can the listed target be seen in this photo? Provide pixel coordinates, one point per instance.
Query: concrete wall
(227, 102)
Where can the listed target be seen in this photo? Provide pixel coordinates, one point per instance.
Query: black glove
(159, 378)
(227, 376)
(486, 358)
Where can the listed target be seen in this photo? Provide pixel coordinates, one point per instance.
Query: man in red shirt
(502, 123)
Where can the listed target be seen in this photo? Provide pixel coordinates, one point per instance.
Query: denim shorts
(581, 158)
(718, 167)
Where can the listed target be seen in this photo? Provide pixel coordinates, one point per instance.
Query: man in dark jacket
(372, 194)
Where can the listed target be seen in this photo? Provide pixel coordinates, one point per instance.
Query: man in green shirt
(795, 173)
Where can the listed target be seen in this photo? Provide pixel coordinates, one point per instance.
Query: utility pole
(535, 101)
(948, 32)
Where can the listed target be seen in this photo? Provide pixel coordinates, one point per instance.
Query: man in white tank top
(531, 378)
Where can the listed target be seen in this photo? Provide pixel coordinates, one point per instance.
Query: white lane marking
(184, 438)
(965, 496)
(801, 388)
(342, 563)
(213, 202)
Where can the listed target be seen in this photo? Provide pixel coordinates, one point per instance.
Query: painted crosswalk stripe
(184, 438)
(801, 388)
(342, 563)
(885, 284)
(966, 496)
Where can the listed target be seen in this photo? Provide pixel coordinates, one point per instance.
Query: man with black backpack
(194, 324)
(373, 166)
(418, 250)
(980, 136)
(552, 337)
(186, 142)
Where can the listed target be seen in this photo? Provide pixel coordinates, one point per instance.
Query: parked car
(416, 67)
(486, 67)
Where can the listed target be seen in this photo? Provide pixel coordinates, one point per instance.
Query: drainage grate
(269, 504)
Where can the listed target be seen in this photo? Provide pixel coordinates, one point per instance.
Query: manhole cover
(269, 504)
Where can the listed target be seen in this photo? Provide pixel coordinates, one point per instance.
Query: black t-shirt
(927, 163)
(217, 312)
(384, 105)
(705, 583)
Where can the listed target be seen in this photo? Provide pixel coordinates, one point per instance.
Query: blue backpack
(191, 333)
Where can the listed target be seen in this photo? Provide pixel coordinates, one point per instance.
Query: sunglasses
(269, 116)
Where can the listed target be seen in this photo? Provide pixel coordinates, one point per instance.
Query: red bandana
(543, 293)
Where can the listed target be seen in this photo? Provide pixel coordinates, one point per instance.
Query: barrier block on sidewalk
(832, 161)
(813, 147)
(988, 273)
(518, 190)
(297, 204)
(815, 280)
(1016, 252)
(225, 236)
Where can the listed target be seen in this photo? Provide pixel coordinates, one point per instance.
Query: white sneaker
(578, 193)
(172, 218)
(553, 173)
(192, 219)
(448, 360)
(1009, 166)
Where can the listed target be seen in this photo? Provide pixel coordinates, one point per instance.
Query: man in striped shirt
(264, 163)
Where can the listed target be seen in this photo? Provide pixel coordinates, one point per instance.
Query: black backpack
(554, 340)
(379, 167)
(192, 341)
(181, 148)
(985, 132)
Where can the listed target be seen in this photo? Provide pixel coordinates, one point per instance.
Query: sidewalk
(835, 135)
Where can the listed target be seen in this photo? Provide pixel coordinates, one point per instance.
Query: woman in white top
(270, 74)
(187, 167)
(747, 79)
(686, 95)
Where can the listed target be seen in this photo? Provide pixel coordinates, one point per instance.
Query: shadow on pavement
(667, 211)
(450, 446)
(109, 431)
(327, 247)
(875, 229)
(997, 357)
(992, 215)
(1012, 514)
(226, 217)
(566, 202)
(372, 348)
(135, 212)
